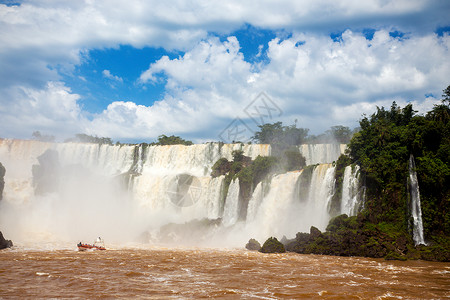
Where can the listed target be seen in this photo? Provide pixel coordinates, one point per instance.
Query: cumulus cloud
(320, 81)
(44, 110)
(312, 78)
(37, 35)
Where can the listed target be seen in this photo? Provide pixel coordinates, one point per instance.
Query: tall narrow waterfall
(231, 209)
(416, 211)
(351, 193)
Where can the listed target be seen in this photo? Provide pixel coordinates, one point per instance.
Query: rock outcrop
(2, 180)
(355, 236)
(272, 245)
(4, 243)
(46, 174)
(253, 245)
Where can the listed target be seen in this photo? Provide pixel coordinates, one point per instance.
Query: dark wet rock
(253, 245)
(314, 233)
(348, 236)
(4, 243)
(46, 174)
(2, 180)
(272, 245)
(395, 256)
(189, 232)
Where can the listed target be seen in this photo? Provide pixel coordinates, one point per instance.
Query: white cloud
(315, 82)
(53, 110)
(321, 82)
(107, 74)
(40, 34)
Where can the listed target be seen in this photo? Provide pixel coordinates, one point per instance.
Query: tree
(85, 138)
(43, 138)
(238, 155)
(382, 148)
(340, 134)
(292, 159)
(172, 140)
(269, 133)
(446, 96)
(280, 137)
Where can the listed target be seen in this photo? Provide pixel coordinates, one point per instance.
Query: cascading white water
(416, 211)
(275, 215)
(321, 153)
(320, 193)
(350, 200)
(231, 209)
(122, 191)
(282, 210)
(255, 201)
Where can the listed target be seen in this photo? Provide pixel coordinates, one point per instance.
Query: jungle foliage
(382, 149)
(85, 138)
(283, 137)
(171, 140)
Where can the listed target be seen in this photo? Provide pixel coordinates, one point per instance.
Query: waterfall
(255, 201)
(283, 210)
(122, 191)
(321, 153)
(351, 198)
(231, 209)
(275, 214)
(320, 193)
(416, 211)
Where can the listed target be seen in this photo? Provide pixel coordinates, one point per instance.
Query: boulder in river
(272, 245)
(253, 245)
(4, 243)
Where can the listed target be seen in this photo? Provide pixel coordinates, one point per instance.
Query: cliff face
(4, 243)
(2, 180)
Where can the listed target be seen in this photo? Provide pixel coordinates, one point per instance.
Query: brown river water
(188, 273)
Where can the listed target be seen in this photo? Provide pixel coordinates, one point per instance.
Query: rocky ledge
(355, 236)
(4, 243)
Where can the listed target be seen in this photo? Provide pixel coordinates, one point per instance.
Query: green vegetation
(249, 172)
(253, 245)
(292, 159)
(43, 138)
(282, 137)
(382, 149)
(272, 245)
(336, 134)
(85, 138)
(171, 140)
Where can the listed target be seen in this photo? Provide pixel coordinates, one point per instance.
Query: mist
(57, 194)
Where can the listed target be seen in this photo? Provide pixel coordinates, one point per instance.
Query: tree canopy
(382, 149)
(42, 137)
(172, 140)
(283, 137)
(85, 138)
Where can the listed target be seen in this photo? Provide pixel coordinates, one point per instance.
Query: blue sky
(132, 70)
